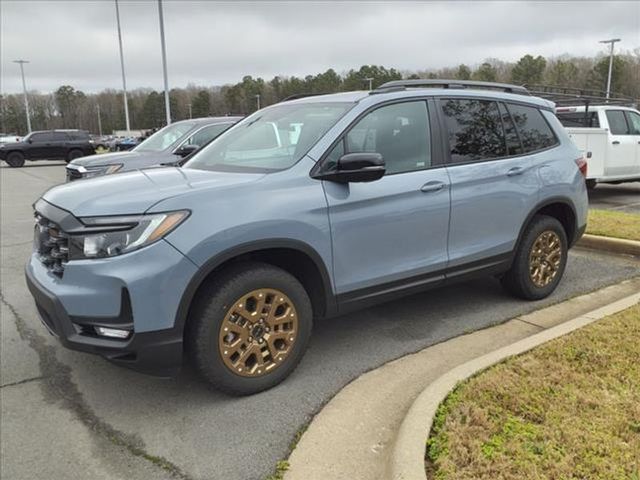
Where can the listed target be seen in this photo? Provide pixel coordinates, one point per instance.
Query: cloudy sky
(212, 43)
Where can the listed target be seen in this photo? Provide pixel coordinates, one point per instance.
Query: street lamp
(190, 112)
(24, 89)
(99, 119)
(167, 108)
(258, 101)
(612, 42)
(124, 80)
(370, 80)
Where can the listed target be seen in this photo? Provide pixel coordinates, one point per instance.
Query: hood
(136, 192)
(119, 157)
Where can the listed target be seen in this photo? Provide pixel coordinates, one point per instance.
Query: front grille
(51, 244)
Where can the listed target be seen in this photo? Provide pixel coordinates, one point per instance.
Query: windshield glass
(163, 139)
(271, 139)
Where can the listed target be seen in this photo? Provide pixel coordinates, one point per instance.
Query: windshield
(271, 139)
(163, 139)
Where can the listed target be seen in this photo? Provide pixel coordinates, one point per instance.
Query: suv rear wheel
(73, 154)
(15, 159)
(540, 260)
(250, 327)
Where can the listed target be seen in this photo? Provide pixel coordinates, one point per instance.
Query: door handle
(616, 142)
(515, 171)
(433, 186)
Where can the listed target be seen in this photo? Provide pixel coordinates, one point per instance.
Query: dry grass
(614, 224)
(569, 409)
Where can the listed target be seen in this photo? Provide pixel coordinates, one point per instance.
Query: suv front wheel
(540, 260)
(15, 159)
(249, 328)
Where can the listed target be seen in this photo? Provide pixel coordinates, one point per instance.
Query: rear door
(390, 233)
(494, 184)
(621, 160)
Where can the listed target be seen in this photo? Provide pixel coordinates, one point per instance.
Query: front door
(621, 158)
(390, 233)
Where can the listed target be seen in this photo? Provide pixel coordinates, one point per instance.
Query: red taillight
(582, 166)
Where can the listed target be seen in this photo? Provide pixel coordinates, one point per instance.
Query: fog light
(112, 332)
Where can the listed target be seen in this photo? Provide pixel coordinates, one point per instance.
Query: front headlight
(96, 171)
(113, 236)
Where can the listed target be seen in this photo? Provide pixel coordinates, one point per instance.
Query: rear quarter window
(579, 119)
(617, 123)
(535, 133)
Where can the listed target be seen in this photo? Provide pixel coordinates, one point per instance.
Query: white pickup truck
(609, 137)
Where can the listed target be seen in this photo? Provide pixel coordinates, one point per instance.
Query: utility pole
(612, 42)
(99, 120)
(124, 80)
(258, 101)
(370, 80)
(167, 107)
(190, 112)
(24, 90)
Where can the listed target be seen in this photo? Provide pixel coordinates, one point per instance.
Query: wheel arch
(293, 256)
(560, 208)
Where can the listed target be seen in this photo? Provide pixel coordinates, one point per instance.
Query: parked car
(47, 145)
(357, 198)
(609, 136)
(126, 144)
(166, 146)
(9, 137)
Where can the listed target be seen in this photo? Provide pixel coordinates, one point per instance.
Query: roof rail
(397, 85)
(295, 96)
(566, 96)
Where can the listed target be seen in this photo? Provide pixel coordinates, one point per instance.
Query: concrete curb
(609, 244)
(407, 457)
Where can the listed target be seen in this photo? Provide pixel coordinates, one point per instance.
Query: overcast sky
(212, 43)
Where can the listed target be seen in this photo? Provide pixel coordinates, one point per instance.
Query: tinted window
(514, 147)
(60, 136)
(579, 119)
(76, 135)
(634, 122)
(41, 137)
(207, 134)
(617, 123)
(400, 133)
(535, 133)
(475, 130)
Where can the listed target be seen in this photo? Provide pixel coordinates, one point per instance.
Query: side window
(61, 137)
(634, 122)
(399, 132)
(535, 132)
(514, 147)
(579, 119)
(617, 123)
(207, 134)
(475, 130)
(42, 137)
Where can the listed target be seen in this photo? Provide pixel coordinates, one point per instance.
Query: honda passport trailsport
(307, 209)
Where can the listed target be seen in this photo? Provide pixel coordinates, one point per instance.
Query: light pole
(167, 108)
(24, 89)
(99, 120)
(124, 80)
(190, 112)
(370, 80)
(258, 101)
(612, 42)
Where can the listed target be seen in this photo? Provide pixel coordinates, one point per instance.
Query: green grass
(614, 224)
(569, 409)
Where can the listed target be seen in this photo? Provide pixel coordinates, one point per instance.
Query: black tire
(15, 159)
(210, 310)
(591, 184)
(518, 279)
(73, 154)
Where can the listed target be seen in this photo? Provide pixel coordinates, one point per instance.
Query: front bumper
(139, 291)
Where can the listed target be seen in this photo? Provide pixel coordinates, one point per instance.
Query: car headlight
(96, 171)
(111, 236)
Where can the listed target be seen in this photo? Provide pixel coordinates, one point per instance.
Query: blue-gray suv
(307, 209)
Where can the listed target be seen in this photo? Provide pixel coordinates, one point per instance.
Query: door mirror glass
(187, 149)
(356, 167)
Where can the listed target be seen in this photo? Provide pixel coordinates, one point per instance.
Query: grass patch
(568, 409)
(614, 224)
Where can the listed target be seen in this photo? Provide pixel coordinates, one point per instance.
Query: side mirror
(30, 141)
(356, 167)
(186, 150)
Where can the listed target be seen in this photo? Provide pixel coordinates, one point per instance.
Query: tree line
(71, 108)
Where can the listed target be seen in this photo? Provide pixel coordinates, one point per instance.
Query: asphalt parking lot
(71, 415)
(624, 197)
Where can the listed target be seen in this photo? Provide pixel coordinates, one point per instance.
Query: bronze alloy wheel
(545, 258)
(258, 332)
